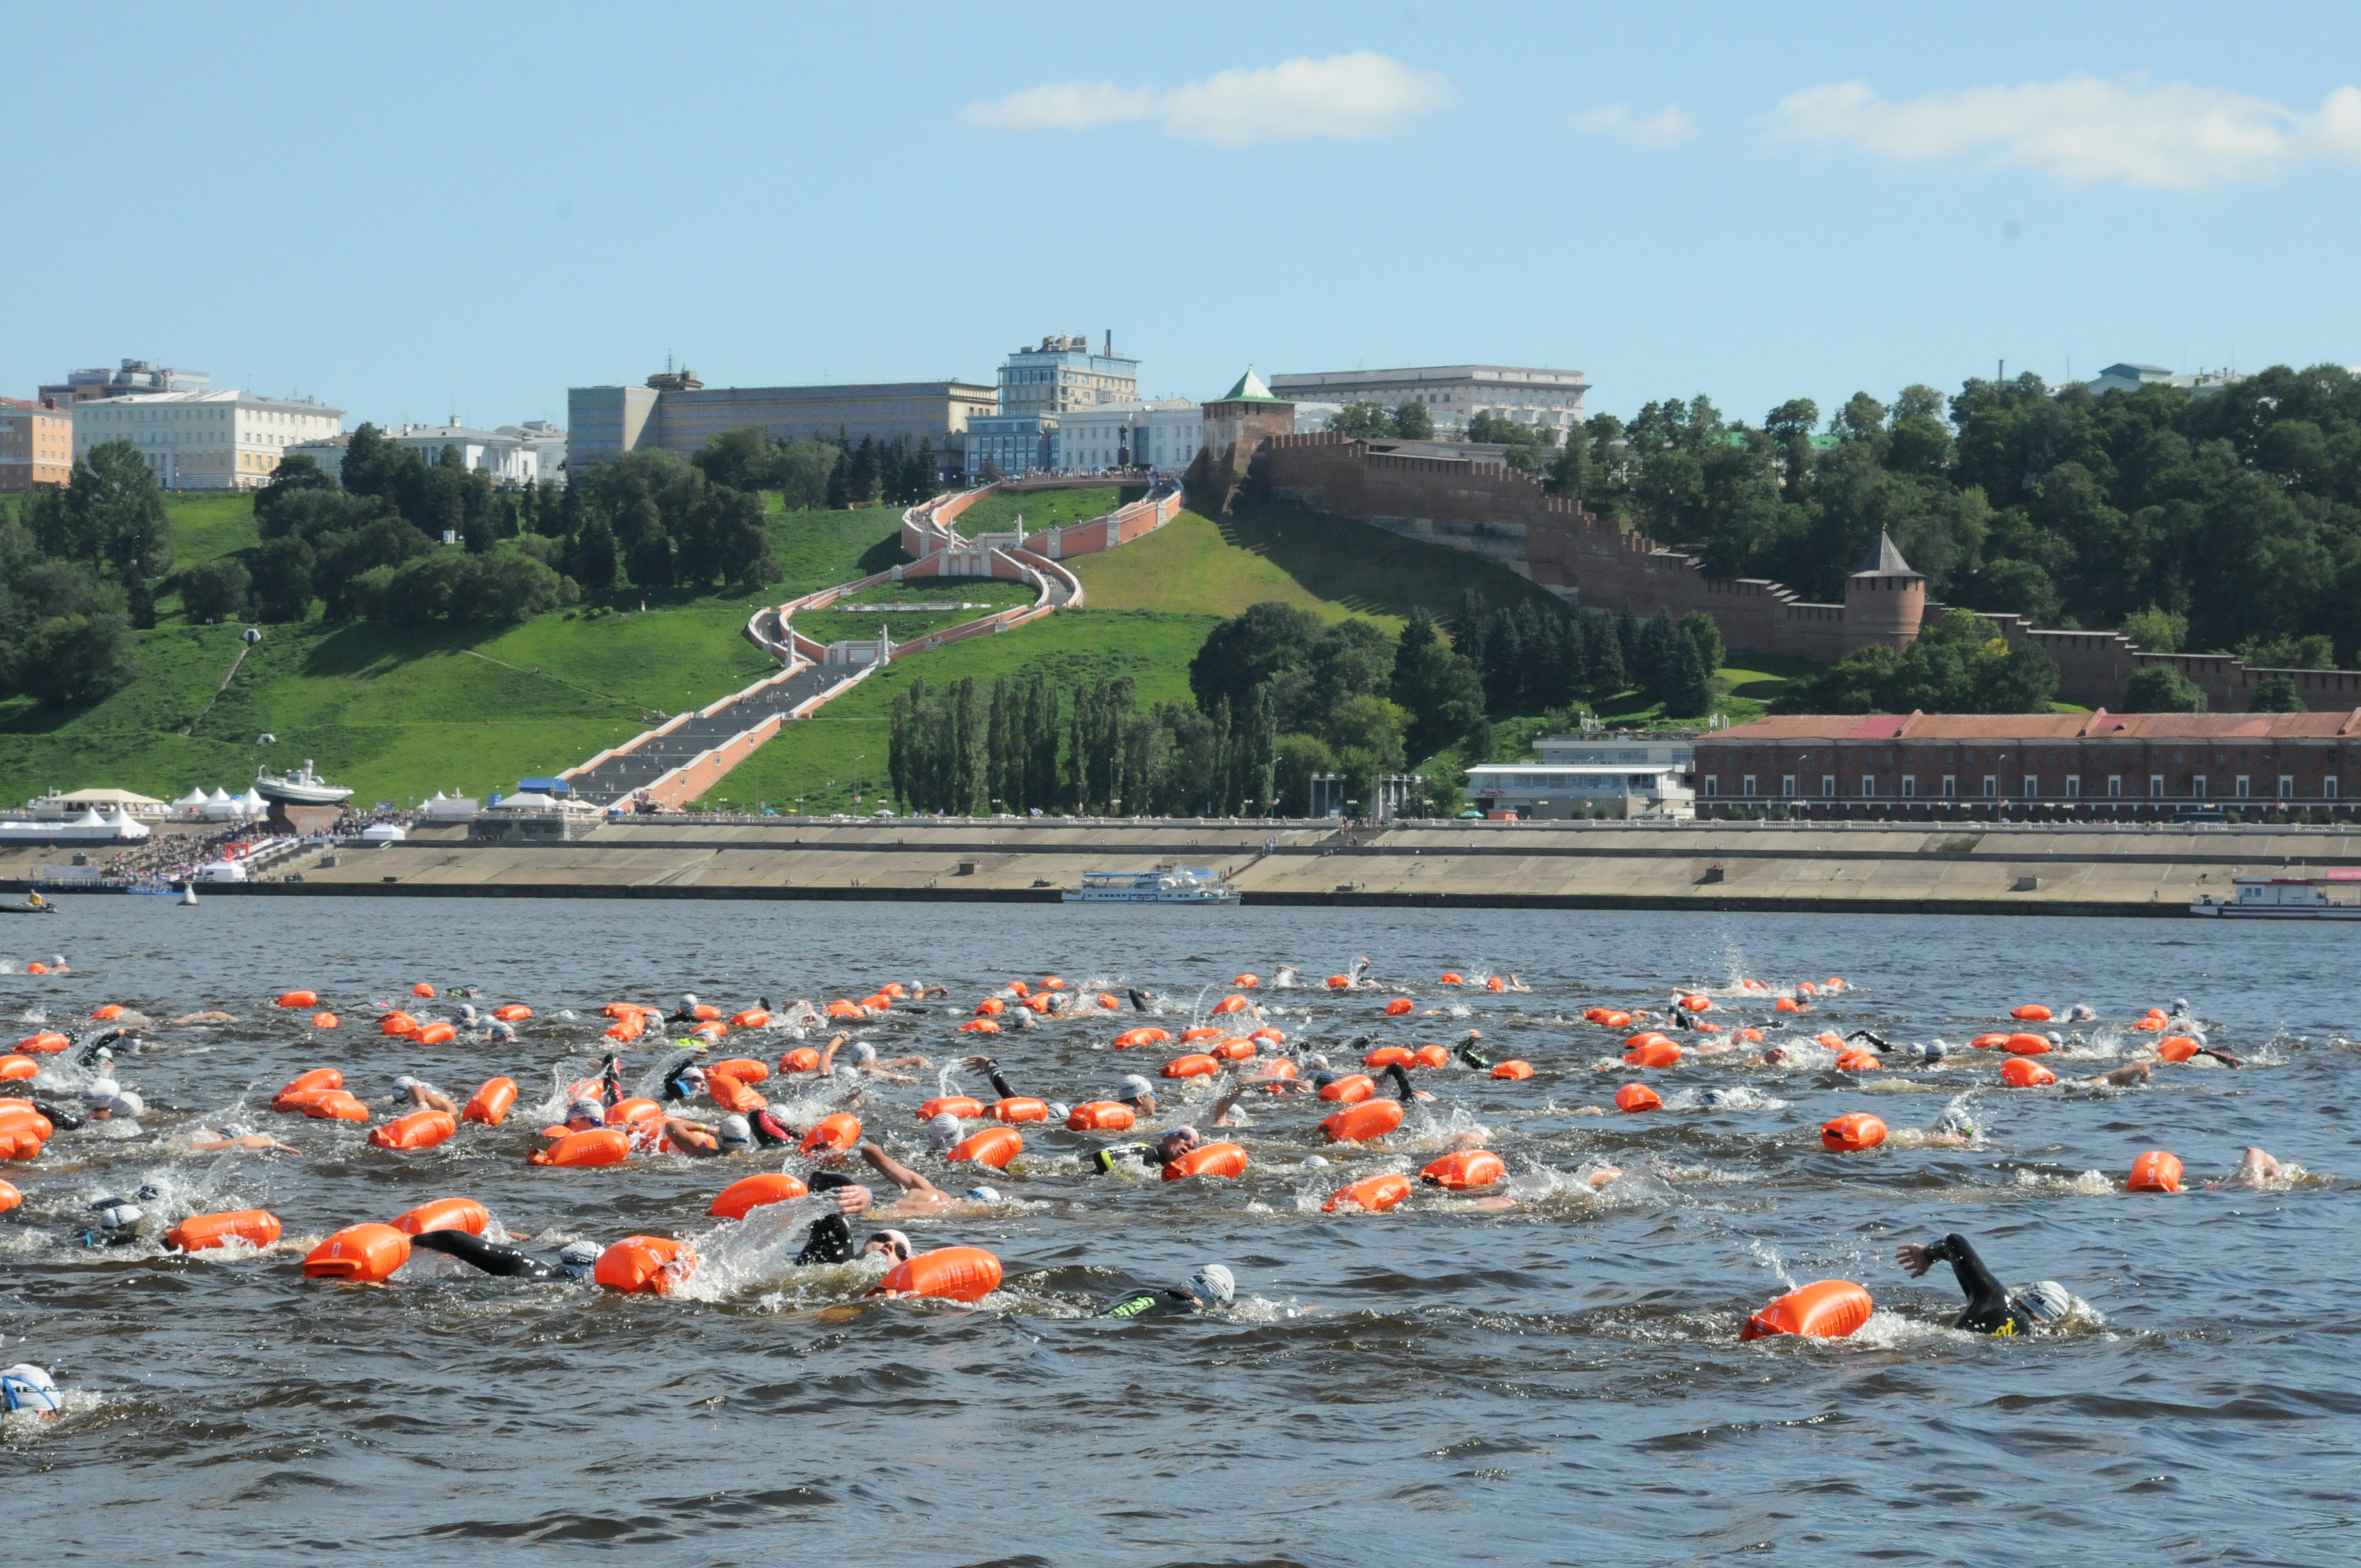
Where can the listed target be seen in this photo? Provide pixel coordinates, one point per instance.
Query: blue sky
(427, 210)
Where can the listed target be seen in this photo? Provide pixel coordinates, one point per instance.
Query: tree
(1300, 757)
(1364, 422)
(114, 512)
(215, 590)
(590, 556)
(1269, 642)
(1414, 422)
(77, 658)
(282, 574)
(1706, 633)
(2160, 688)
(2153, 630)
(742, 459)
(1569, 473)
(806, 473)
(2276, 694)
(1440, 690)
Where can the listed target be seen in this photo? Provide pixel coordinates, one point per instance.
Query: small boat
(303, 787)
(34, 904)
(1165, 884)
(2287, 898)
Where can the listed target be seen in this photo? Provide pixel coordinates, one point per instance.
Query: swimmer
(120, 1221)
(1284, 976)
(1210, 1287)
(2257, 1168)
(1931, 1053)
(866, 1062)
(2080, 1013)
(206, 1018)
(108, 1100)
(917, 1195)
(26, 1389)
(501, 1032)
(830, 1240)
(425, 1096)
(1991, 1309)
(575, 1260)
(2130, 1076)
(1139, 999)
(681, 1078)
(1163, 1152)
(698, 1141)
(583, 1115)
(1466, 1052)
(234, 1135)
(686, 1011)
(1138, 1093)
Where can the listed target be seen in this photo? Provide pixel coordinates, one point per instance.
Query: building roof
(447, 434)
(2135, 371)
(107, 797)
(1433, 373)
(1885, 560)
(244, 399)
(1249, 389)
(2041, 727)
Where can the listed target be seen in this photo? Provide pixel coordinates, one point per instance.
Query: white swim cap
(735, 1131)
(586, 1111)
(128, 1104)
(1315, 1162)
(901, 1243)
(984, 1195)
(101, 1090)
(864, 1052)
(578, 1255)
(943, 1131)
(27, 1387)
(1212, 1283)
(687, 1002)
(1134, 1086)
(2046, 1301)
(120, 1216)
(1059, 1112)
(405, 1082)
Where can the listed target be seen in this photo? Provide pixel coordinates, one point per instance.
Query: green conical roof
(1249, 389)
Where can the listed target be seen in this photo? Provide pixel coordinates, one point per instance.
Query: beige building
(35, 444)
(1547, 399)
(205, 441)
(678, 412)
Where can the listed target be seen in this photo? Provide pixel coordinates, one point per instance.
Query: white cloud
(1344, 95)
(1670, 127)
(2080, 131)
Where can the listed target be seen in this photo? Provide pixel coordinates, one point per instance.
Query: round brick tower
(1885, 601)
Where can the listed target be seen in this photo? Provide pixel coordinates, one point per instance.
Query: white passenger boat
(302, 788)
(2288, 898)
(1165, 884)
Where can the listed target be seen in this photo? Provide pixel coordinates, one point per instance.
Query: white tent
(451, 807)
(192, 801)
(252, 804)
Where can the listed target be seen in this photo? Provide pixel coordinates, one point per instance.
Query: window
(1868, 784)
(1712, 783)
(1909, 786)
(2328, 787)
(1991, 786)
(2073, 786)
(2032, 787)
(2242, 787)
(1827, 786)
(1950, 787)
(2156, 787)
(1746, 787)
(1787, 786)
(2197, 787)
(2286, 787)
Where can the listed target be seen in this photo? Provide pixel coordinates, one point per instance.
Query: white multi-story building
(1163, 434)
(1581, 775)
(510, 454)
(1549, 399)
(205, 441)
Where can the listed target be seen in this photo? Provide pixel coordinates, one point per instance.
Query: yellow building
(35, 444)
(205, 441)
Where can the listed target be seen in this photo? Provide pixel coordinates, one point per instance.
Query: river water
(1558, 1382)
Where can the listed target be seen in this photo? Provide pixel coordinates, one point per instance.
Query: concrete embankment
(1884, 869)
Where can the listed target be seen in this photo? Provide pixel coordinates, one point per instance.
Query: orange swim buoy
(1512, 1070)
(46, 1043)
(2176, 1047)
(2024, 1072)
(1852, 1133)
(107, 1012)
(397, 1023)
(946, 1274)
(623, 1031)
(1231, 1004)
(324, 1020)
(335, 1105)
(1464, 1169)
(437, 1034)
(1834, 982)
(1807, 989)
(1651, 1050)
(753, 1192)
(1019, 1108)
(1786, 1005)
(994, 1146)
(317, 1078)
(1989, 1042)
(752, 1018)
(2025, 1046)
(834, 1135)
(1634, 1097)
(958, 1105)
(745, 1070)
(1234, 1050)
(803, 1058)
(20, 1116)
(1274, 1074)
(1040, 1002)
(1372, 1194)
(1101, 1116)
(422, 989)
(1451, 977)
(1398, 1006)
(1208, 1160)
(1198, 1065)
(840, 1008)
(444, 1214)
(1752, 1037)
(1340, 983)
(489, 1105)
(1247, 982)
(1826, 1309)
(1617, 1019)
(1109, 1001)
(1131, 1038)
(2155, 1171)
(1389, 1056)
(1269, 1036)
(363, 1255)
(645, 1266)
(979, 1026)
(419, 1130)
(596, 1146)
(1431, 1056)
(724, 1089)
(13, 1067)
(1695, 1003)
(1349, 1089)
(1200, 1032)
(1855, 1059)
(623, 1112)
(25, 1145)
(9, 1197)
(710, 1032)
(515, 1012)
(199, 1232)
(1497, 983)
(2031, 1013)
(291, 999)
(1358, 1123)
(991, 1007)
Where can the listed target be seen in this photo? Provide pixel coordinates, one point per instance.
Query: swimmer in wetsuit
(1990, 1308)
(574, 1261)
(830, 1238)
(1208, 1287)
(26, 1389)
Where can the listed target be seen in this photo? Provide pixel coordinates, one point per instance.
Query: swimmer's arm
(1401, 1082)
(992, 1067)
(828, 1053)
(433, 1100)
(906, 1061)
(1225, 1105)
(894, 1170)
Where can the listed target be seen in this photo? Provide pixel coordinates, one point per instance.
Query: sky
(429, 210)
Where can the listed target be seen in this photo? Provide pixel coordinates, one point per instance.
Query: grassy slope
(400, 714)
(998, 512)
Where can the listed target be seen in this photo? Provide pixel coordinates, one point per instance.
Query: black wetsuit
(1988, 1310)
(992, 1069)
(769, 1131)
(1471, 1055)
(830, 1239)
(1403, 1091)
(1171, 1301)
(491, 1257)
(1139, 999)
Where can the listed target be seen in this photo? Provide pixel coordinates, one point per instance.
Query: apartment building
(204, 441)
(35, 444)
(1546, 399)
